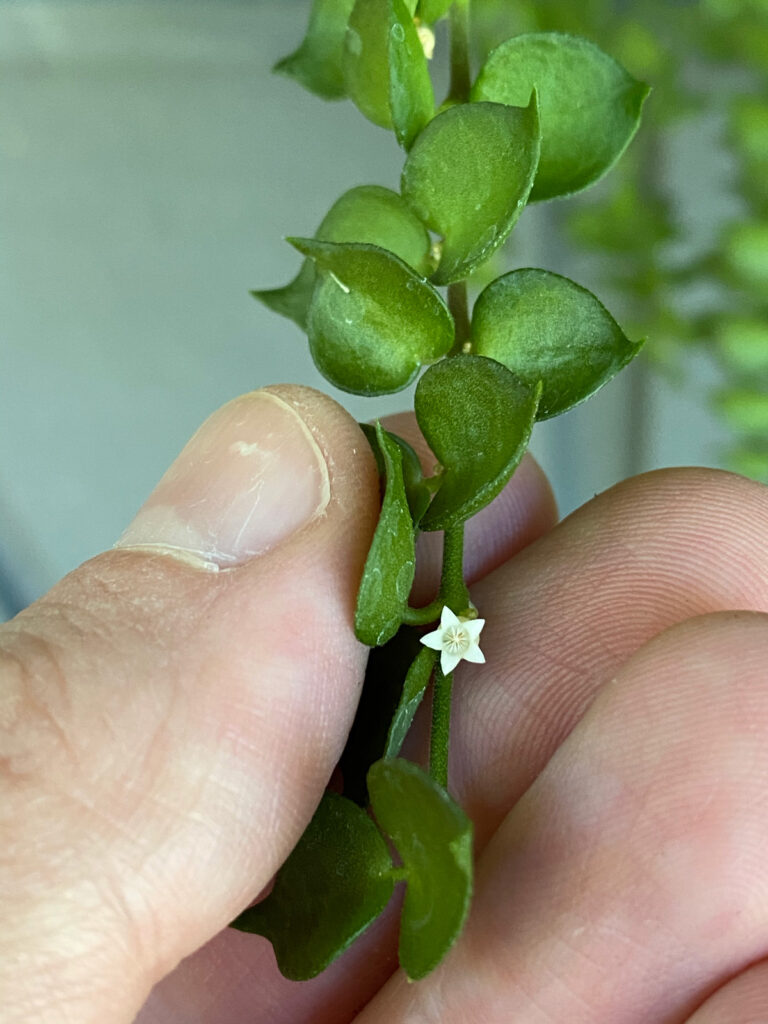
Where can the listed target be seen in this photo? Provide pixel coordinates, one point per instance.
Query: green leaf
(418, 492)
(545, 328)
(373, 321)
(385, 68)
(416, 682)
(477, 418)
(434, 839)
(317, 64)
(336, 881)
(390, 566)
(367, 213)
(468, 177)
(293, 299)
(590, 106)
(433, 10)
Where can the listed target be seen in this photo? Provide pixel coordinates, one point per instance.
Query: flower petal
(475, 654)
(434, 640)
(473, 628)
(448, 662)
(448, 618)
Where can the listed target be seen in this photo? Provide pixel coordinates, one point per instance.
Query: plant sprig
(547, 115)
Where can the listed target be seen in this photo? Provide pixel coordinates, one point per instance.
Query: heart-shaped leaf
(418, 492)
(434, 839)
(590, 106)
(336, 881)
(317, 62)
(389, 568)
(385, 69)
(367, 213)
(468, 177)
(416, 682)
(477, 418)
(545, 328)
(373, 322)
(432, 10)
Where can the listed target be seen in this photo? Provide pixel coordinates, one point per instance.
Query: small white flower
(456, 639)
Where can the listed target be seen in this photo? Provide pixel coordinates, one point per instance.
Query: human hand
(167, 731)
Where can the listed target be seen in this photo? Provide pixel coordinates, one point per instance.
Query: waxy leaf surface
(546, 328)
(389, 568)
(416, 682)
(373, 321)
(589, 105)
(385, 69)
(317, 62)
(336, 881)
(434, 839)
(468, 177)
(367, 213)
(477, 418)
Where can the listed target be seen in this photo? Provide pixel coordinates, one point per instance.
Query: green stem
(460, 72)
(453, 589)
(441, 727)
(423, 616)
(459, 307)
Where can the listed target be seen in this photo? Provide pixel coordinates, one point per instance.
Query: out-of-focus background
(150, 165)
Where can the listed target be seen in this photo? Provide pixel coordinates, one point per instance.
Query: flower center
(456, 639)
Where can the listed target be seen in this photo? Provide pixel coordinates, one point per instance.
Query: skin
(611, 752)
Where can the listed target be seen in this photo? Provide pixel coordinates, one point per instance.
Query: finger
(172, 711)
(630, 880)
(569, 610)
(743, 1000)
(524, 511)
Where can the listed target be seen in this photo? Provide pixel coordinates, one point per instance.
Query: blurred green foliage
(701, 56)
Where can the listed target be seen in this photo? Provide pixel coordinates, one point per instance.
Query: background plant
(708, 60)
(545, 116)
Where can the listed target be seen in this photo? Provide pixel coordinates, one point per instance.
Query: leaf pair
(477, 418)
(340, 875)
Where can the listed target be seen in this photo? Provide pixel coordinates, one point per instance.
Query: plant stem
(422, 616)
(453, 589)
(459, 307)
(453, 593)
(460, 72)
(441, 727)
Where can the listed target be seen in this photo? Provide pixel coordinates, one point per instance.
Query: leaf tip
(304, 245)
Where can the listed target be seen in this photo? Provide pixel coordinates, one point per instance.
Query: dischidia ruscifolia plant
(547, 116)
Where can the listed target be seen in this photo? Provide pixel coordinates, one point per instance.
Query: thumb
(171, 711)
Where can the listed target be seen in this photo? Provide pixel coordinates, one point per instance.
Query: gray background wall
(149, 166)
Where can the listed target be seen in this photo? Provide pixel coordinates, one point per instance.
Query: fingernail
(250, 477)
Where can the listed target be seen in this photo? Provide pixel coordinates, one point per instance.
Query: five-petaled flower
(456, 639)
